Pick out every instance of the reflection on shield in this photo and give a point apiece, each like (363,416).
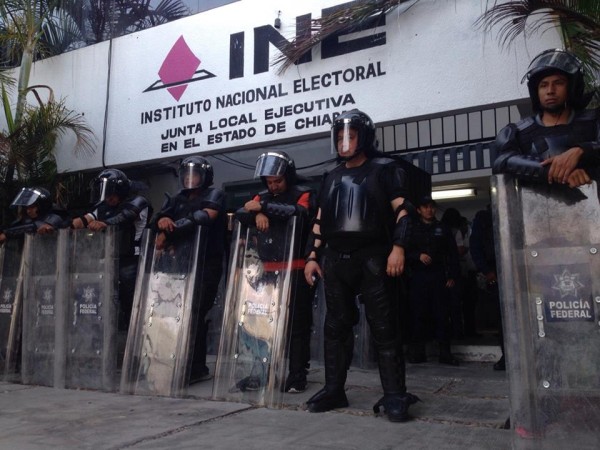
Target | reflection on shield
(91,290)
(548,242)
(163,324)
(10,308)
(251,362)
(69,310)
(41,313)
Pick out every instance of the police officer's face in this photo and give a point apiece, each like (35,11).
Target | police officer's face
(112,200)
(552,92)
(192,180)
(347,147)
(32,211)
(276,185)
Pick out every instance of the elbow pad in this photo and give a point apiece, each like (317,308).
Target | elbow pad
(245,217)
(402,231)
(278,209)
(182,226)
(127,215)
(55,221)
(201,217)
(20,230)
(521,166)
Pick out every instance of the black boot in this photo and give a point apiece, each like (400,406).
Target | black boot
(395,400)
(336,368)
(199,370)
(326,400)
(296,382)
(392,371)
(395,406)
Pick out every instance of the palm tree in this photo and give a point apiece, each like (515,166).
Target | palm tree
(27,145)
(578,22)
(100,20)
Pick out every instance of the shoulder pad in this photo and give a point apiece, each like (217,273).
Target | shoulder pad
(525,123)
(587,114)
(54,220)
(301,188)
(215,195)
(382,161)
(139,202)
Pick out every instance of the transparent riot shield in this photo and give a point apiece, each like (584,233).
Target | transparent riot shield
(42,314)
(10,308)
(92,291)
(547,247)
(251,363)
(160,342)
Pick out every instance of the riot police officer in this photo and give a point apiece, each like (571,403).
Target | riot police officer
(560,144)
(432,256)
(35,215)
(361,230)
(197,203)
(270,210)
(115,204)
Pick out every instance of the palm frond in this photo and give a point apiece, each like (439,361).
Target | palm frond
(577,20)
(30,147)
(341,19)
(167,11)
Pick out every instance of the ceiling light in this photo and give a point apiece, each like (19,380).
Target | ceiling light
(453,193)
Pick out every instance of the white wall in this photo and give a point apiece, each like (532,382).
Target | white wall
(434,60)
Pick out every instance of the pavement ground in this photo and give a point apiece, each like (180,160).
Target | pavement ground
(464,407)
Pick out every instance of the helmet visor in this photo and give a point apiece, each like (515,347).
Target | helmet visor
(270,165)
(101,189)
(341,139)
(553,59)
(26,197)
(191,176)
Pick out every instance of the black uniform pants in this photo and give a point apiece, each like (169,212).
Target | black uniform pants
(300,322)
(208,292)
(363,273)
(430,303)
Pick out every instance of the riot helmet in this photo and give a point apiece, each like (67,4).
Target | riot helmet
(362,124)
(554,61)
(276,164)
(195,172)
(109,182)
(29,196)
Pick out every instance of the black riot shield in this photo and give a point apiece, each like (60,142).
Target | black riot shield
(547,247)
(43,316)
(160,341)
(251,362)
(92,290)
(10,308)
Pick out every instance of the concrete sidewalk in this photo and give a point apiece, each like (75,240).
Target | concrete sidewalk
(462,407)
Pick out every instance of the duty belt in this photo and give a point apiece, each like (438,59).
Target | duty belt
(358,253)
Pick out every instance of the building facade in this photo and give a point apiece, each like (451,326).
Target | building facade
(438,87)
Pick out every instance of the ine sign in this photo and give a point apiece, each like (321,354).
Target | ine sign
(207,108)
